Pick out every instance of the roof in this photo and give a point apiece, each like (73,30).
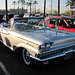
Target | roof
(67,17)
(28,18)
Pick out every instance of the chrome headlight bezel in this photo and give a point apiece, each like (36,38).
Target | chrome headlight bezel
(42,46)
(45,46)
(48,45)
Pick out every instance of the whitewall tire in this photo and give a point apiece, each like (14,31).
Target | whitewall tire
(26,57)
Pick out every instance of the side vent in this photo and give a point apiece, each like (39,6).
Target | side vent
(7,42)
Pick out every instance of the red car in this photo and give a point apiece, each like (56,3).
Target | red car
(63,23)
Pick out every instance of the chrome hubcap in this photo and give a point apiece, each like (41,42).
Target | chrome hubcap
(26,57)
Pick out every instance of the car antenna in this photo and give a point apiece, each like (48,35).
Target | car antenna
(56,28)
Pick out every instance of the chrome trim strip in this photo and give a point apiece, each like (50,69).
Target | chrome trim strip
(38,59)
(61,31)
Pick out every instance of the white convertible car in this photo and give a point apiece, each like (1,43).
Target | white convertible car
(36,41)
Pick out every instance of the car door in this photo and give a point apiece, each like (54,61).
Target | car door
(62,25)
(6,37)
(51,22)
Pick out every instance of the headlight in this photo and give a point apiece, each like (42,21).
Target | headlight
(42,46)
(48,45)
(45,46)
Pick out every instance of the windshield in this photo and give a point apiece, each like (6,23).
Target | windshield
(30,24)
(71,22)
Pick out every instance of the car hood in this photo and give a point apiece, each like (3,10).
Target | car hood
(40,37)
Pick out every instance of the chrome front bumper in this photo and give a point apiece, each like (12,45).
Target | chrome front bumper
(46,59)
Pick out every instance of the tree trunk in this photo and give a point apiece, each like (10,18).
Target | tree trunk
(22,8)
(35,8)
(30,7)
(14,8)
(18,8)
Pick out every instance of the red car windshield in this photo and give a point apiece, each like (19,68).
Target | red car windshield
(71,22)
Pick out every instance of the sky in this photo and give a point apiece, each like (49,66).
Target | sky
(40,4)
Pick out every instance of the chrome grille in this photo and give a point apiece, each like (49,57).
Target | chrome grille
(55,52)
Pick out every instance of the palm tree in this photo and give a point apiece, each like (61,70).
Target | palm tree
(27,5)
(18,6)
(30,3)
(22,4)
(14,3)
(35,2)
(70,2)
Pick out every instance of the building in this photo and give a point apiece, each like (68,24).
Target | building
(16,11)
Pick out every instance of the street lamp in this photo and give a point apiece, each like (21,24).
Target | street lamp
(6,11)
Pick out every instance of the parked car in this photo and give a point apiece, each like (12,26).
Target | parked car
(35,42)
(18,19)
(16,16)
(38,15)
(27,15)
(63,23)
(10,15)
(1,18)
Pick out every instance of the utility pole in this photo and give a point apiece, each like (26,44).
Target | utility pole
(6,11)
(58,7)
(44,7)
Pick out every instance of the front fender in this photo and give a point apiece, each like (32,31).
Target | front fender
(27,47)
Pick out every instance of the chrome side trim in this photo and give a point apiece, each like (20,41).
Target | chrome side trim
(46,59)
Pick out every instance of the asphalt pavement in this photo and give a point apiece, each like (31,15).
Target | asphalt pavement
(12,64)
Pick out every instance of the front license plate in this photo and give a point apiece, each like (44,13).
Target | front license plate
(67,56)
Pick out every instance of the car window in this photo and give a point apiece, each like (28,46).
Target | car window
(22,27)
(71,22)
(31,25)
(61,22)
(52,21)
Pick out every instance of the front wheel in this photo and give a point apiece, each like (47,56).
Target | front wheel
(26,57)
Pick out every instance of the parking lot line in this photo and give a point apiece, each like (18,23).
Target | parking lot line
(4,69)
